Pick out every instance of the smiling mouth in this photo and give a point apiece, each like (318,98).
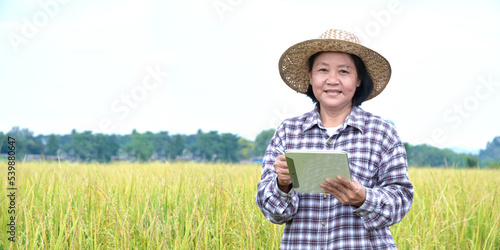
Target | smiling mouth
(334,92)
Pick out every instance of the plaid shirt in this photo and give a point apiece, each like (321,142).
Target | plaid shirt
(377,160)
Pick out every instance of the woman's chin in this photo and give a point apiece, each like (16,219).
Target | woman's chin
(334,104)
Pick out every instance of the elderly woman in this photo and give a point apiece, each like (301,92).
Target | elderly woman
(338,74)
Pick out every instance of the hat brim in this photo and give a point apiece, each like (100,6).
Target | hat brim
(295,73)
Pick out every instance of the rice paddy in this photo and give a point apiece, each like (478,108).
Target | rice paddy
(182,205)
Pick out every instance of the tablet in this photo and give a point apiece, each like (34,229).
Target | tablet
(309,168)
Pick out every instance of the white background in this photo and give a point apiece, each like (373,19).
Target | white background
(86,65)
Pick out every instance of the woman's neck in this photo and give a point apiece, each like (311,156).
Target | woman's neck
(333,117)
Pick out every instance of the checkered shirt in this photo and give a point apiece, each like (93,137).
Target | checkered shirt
(377,160)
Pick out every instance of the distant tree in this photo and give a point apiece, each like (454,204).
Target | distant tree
(52,145)
(141,146)
(212,146)
(407,146)
(426,155)
(191,142)
(3,143)
(472,161)
(81,145)
(25,142)
(208,145)
(491,154)
(64,140)
(192,139)
(160,141)
(262,141)
(124,140)
(104,147)
(175,147)
(247,148)
(229,148)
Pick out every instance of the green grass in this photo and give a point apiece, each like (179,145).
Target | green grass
(211,206)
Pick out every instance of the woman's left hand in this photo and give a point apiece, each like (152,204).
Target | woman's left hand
(347,192)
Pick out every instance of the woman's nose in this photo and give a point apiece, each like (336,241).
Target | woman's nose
(332,78)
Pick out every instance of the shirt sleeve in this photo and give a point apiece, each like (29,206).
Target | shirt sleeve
(391,199)
(277,206)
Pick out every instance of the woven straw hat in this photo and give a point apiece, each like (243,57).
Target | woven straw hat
(294,69)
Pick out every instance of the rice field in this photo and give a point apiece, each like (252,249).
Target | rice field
(211,206)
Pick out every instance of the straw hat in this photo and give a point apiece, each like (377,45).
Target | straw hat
(294,69)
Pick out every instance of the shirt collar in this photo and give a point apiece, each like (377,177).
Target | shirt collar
(312,119)
(355,119)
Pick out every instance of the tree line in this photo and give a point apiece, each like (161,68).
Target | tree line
(209,146)
(86,146)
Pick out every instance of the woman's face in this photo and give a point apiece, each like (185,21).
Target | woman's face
(334,80)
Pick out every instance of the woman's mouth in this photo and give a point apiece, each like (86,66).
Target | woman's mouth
(333,92)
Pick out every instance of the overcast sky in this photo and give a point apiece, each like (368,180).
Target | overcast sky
(180,66)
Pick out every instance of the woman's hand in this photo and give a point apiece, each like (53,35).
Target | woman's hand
(284,180)
(347,192)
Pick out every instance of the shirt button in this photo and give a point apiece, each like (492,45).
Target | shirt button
(323,223)
(325,195)
(329,143)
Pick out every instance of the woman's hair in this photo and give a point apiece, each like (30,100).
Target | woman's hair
(362,92)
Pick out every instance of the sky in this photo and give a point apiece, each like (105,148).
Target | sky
(179,66)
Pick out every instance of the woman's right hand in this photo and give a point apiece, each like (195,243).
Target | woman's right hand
(284,179)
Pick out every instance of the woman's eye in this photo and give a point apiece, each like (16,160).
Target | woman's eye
(322,70)
(344,72)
